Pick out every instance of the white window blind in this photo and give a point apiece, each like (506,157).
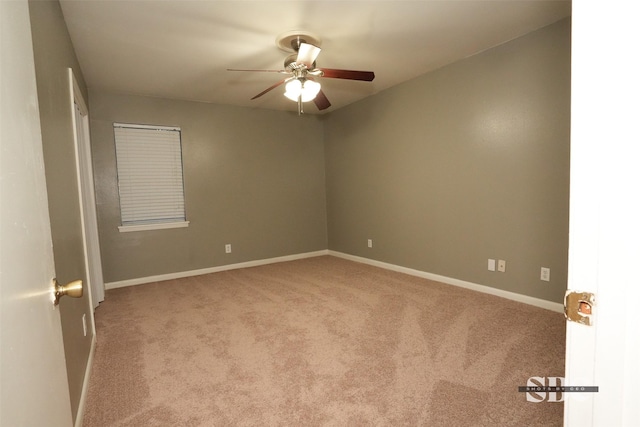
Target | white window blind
(150,181)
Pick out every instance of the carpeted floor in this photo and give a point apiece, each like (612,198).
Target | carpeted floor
(319,341)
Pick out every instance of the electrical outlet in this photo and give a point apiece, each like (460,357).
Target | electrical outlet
(84,324)
(502,265)
(491,265)
(545,273)
(227,248)
(369,243)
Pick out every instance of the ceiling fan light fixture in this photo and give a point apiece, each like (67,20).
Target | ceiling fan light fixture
(310,89)
(307,89)
(293,89)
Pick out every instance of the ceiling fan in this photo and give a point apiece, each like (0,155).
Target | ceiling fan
(302,86)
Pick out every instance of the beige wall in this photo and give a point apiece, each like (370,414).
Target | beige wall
(53,55)
(253,178)
(463,164)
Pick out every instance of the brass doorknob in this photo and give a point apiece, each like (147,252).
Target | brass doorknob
(73,289)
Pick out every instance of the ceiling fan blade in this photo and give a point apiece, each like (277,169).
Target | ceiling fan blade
(348,74)
(321,101)
(269,89)
(260,71)
(307,54)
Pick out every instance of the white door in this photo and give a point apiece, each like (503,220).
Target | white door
(91,242)
(34,388)
(604,235)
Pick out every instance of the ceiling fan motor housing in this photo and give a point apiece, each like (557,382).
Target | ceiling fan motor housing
(291,65)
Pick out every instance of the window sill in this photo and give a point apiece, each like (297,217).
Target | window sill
(147,227)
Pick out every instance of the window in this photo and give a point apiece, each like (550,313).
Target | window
(150,183)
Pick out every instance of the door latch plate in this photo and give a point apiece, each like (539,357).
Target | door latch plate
(578,306)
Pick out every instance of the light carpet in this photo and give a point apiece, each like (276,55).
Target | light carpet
(319,341)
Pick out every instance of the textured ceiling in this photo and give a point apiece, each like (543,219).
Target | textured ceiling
(182,49)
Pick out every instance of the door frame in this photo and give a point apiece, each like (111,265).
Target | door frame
(88,217)
(86,194)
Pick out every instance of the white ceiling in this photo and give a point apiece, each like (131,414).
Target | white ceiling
(181,49)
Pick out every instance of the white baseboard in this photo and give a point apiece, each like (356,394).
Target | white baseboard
(179,275)
(548,305)
(85,384)
(537,302)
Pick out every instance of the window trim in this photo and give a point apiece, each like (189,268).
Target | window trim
(156,226)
